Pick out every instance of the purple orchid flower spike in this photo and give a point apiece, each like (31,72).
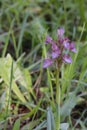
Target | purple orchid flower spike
(67,58)
(48,40)
(58,49)
(47,62)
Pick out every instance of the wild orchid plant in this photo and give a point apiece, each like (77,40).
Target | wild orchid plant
(60,53)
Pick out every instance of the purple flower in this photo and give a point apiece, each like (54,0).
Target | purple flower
(55,51)
(66,43)
(58,49)
(60,32)
(72,47)
(67,58)
(54,46)
(55,54)
(48,40)
(47,62)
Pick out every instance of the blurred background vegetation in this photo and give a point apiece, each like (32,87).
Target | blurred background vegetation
(23,23)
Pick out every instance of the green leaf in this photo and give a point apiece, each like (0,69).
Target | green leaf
(64,126)
(30,125)
(5,66)
(41,126)
(68,105)
(16,125)
(50,120)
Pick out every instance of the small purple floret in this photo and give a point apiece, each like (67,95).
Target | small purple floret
(48,40)
(55,54)
(54,47)
(67,58)
(72,47)
(60,32)
(47,62)
(55,51)
(66,43)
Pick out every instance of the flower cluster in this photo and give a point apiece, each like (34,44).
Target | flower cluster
(60,49)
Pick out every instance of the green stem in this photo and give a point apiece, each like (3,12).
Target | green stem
(57,99)
(51,88)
